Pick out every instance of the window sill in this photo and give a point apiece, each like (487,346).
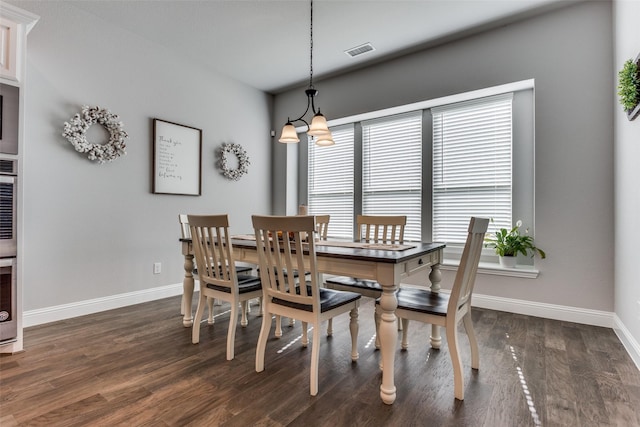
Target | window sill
(523,271)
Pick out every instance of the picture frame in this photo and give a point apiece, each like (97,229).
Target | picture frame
(177,159)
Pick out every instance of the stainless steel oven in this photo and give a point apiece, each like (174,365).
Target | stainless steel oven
(8,250)
(8,313)
(8,191)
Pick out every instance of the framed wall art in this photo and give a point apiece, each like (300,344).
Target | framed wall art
(177,159)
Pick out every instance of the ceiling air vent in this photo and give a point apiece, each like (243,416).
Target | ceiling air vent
(359,50)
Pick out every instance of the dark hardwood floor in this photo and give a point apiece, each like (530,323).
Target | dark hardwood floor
(136,366)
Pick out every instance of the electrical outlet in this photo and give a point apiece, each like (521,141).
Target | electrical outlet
(157,268)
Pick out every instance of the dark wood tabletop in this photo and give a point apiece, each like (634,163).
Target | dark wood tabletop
(365,254)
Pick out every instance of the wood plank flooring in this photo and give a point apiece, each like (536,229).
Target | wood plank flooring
(136,366)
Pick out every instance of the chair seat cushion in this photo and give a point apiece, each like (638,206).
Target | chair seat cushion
(243,269)
(245,284)
(422,301)
(371,285)
(329,299)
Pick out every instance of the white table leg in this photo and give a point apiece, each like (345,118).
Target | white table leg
(187,289)
(435,277)
(388,339)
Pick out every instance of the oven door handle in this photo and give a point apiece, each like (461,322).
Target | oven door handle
(5,179)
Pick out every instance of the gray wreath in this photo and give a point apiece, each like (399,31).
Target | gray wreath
(243,161)
(75,130)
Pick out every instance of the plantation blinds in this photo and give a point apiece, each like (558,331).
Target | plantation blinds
(330,181)
(392,169)
(472,157)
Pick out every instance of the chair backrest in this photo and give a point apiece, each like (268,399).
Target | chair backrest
(381,229)
(466,275)
(184,226)
(322,226)
(282,246)
(213,250)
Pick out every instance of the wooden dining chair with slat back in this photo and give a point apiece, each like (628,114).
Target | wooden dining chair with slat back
(448,310)
(218,275)
(371,229)
(284,296)
(322,227)
(186,234)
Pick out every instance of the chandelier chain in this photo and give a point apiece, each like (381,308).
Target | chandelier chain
(311,49)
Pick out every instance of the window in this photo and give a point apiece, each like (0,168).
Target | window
(331,183)
(471,166)
(437,161)
(392,169)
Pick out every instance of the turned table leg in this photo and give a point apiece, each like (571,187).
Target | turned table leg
(388,340)
(435,277)
(187,286)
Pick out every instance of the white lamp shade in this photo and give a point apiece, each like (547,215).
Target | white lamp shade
(318,126)
(289,134)
(325,140)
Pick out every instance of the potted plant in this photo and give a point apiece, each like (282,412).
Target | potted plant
(629,87)
(509,243)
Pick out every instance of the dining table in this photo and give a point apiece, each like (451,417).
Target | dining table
(388,264)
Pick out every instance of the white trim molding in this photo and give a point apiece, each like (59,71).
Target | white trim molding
(81,308)
(522,271)
(537,309)
(549,311)
(628,341)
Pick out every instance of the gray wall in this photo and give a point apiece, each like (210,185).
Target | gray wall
(627,177)
(569,54)
(93,231)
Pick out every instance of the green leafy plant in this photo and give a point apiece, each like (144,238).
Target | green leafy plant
(511,242)
(629,85)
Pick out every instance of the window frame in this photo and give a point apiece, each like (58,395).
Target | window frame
(523,202)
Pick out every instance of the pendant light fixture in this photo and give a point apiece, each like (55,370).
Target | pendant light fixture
(318,129)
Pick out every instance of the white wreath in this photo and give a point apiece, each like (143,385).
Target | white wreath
(75,130)
(243,161)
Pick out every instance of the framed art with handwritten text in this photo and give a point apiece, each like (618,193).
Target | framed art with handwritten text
(177,153)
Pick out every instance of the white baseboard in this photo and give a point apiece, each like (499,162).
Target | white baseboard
(548,311)
(629,343)
(81,308)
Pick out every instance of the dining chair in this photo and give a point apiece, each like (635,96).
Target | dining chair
(218,275)
(447,310)
(322,226)
(283,296)
(371,229)
(186,234)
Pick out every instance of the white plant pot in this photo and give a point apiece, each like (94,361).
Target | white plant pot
(508,261)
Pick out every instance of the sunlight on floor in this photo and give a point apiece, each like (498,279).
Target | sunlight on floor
(371,341)
(293,341)
(215,315)
(525,388)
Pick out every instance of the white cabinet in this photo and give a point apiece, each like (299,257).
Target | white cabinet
(8,49)
(15,24)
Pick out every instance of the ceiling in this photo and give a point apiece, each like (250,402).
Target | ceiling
(265,43)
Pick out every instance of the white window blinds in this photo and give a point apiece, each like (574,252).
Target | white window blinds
(392,169)
(330,181)
(472,157)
